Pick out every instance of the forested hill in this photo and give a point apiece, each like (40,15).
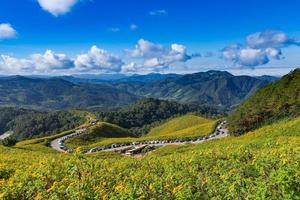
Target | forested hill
(59,94)
(277,100)
(146,113)
(27,123)
(218,88)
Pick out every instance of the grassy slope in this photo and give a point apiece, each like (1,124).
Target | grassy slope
(186,125)
(40,144)
(98,133)
(262,164)
(195,126)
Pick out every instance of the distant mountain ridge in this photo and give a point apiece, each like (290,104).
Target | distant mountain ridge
(57,93)
(216,88)
(209,88)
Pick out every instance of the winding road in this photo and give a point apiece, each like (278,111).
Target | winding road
(131,147)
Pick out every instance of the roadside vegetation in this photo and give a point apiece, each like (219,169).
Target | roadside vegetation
(146,114)
(261,164)
(105,133)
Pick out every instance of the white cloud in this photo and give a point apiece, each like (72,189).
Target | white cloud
(36,63)
(130,67)
(145,57)
(145,48)
(57,7)
(95,60)
(156,57)
(158,12)
(133,27)
(98,60)
(259,49)
(270,38)
(51,61)
(7,31)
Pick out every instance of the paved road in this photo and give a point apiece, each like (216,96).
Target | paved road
(58,144)
(220,132)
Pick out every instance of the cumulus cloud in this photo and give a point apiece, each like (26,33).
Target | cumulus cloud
(36,63)
(158,12)
(146,56)
(130,67)
(156,57)
(259,49)
(57,7)
(7,31)
(270,38)
(95,60)
(98,60)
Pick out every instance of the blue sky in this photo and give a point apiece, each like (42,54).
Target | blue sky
(129,36)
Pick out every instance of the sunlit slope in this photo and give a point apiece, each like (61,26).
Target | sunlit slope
(98,133)
(181,127)
(262,164)
(187,125)
(42,143)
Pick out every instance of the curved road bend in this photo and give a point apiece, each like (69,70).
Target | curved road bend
(220,132)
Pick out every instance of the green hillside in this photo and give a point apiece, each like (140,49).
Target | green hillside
(145,114)
(187,125)
(262,164)
(218,88)
(26,124)
(111,134)
(98,133)
(275,101)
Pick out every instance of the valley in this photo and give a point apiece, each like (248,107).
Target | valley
(157,148)
(149,100)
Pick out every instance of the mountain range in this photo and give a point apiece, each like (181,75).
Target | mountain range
(216,88)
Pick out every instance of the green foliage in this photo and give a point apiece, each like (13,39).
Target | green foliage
(263,164)
(8,142)
(277,100)
(46,123)
(106,134)
(145,114)
(7,114)
(98,133)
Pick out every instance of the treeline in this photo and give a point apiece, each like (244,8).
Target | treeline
(42,124)
(31,124)
(141,116)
